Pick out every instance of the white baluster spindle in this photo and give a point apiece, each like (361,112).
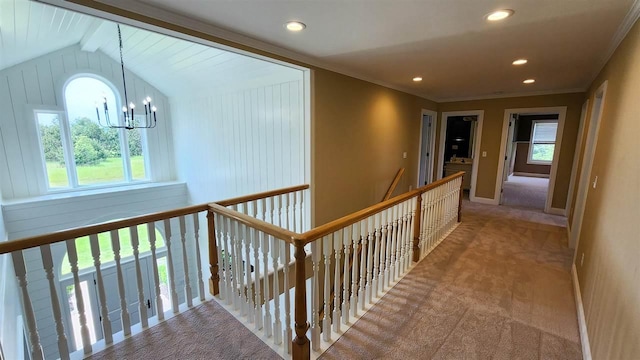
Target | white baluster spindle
(21,275)
(47,263)
(84,329)
(170,270)
(124,311)
(135,244)
(104,311)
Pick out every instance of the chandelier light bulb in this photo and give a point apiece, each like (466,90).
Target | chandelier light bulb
(124,109)
(148,99)
(132,106)
(154,109)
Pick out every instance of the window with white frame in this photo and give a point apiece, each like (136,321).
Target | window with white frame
(543,142)
(77,151)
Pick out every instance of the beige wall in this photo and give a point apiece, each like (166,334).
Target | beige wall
(492,132)
(610,237)
(360,131)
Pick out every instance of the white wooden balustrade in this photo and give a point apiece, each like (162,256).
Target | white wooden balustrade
(353,261)
(128,285)
(337,272)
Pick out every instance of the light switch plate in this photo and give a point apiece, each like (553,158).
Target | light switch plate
(404,155)
(484,154)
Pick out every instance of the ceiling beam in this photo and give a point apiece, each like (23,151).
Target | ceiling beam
(96,35)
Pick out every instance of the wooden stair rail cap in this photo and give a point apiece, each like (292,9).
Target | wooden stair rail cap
(338,224)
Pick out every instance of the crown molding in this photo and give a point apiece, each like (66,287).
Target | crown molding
(624,28)
(512,95)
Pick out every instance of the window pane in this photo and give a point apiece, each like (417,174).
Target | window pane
(544,132)
(49,127)
(135,139)
(542,152)
(97,149)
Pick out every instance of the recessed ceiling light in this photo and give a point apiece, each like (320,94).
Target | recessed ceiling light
(529,81)
(519,62)
(417,79)
(295,26)
(500,14)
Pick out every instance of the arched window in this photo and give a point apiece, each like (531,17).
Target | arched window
(77,151)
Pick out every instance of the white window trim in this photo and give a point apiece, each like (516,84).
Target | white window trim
(530,160)
(67,144)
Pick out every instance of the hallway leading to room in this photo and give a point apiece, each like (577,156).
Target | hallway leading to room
(525,192)
(498,287)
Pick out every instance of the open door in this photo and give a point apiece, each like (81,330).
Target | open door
(427,146)
(508,154)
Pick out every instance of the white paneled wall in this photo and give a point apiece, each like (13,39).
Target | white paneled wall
(241,142)
(38,83)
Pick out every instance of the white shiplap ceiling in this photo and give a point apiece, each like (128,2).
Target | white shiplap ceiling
(449,43)
(176,67)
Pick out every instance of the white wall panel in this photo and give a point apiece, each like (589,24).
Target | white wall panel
(39,82)
(241,142)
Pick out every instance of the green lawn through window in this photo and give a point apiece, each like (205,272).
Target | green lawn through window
(109,170)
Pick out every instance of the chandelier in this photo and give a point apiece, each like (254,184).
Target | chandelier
(129,119)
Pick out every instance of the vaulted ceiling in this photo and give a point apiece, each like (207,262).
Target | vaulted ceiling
(449,43)
(176,67)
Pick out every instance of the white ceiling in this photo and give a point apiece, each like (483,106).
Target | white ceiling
(449,43)
(176,67)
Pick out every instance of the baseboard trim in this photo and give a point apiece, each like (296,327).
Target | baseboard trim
(557,211)
(483,200)
(582,322)
(530,174)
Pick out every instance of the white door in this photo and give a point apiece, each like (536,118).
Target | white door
(110,279)
(507,155)
(72,311)
(426,156)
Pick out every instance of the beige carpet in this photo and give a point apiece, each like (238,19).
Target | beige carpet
(525,192)
(207,331)
(497,288)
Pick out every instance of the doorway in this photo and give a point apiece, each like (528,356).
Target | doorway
(530,147)
(427,147)
(587,162)
(92,302)
(459,148)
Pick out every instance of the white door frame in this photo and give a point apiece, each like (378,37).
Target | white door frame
(576,155)
(432,146)
(587,164)
(507,156)
(562,114)
(476,148)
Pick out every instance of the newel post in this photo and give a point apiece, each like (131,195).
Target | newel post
(300,345)
(416,229)
(214,280)
(460,199)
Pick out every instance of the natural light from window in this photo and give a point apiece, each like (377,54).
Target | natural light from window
(78,150)
(543,142)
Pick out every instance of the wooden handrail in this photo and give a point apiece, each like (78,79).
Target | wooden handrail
(338,224)
(254,223)
(393,185)
(262,195)
(74,233)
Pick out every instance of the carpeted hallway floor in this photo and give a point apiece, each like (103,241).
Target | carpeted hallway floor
(525,192)
(499,287)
